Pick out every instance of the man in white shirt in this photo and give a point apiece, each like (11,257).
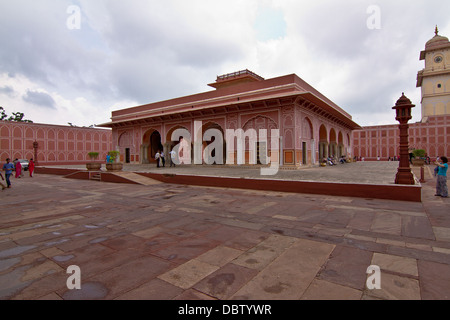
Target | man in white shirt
(157,158)
(163,159)
(173,156)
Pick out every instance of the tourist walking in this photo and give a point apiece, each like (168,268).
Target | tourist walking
(163,159)
(441,182)
(157,158)
(173,155)
(18,166)
(8,167)
(31,167)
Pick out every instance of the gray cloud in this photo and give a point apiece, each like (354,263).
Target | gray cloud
(7,90)
(145,51)
(159,48)
(39,98)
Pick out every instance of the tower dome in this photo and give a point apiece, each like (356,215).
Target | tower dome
(436,41)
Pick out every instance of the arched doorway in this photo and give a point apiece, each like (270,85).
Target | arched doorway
(340,149)
(125,143)
(348,151)
(308,145)
(253,150)
(169,145)
(332,148)
(155,143)
(214,129)
(151,143)
(323,143)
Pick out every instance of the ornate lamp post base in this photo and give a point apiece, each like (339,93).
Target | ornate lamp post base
(404,176)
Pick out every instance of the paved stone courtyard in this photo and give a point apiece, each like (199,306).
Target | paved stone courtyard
(360,172)
(183,242)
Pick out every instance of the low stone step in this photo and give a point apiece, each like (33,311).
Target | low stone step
(96,177)
(137,178)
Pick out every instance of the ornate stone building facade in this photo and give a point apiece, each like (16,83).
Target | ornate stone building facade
(310,125)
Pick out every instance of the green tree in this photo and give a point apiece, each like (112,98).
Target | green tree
(16,116)
(3,114)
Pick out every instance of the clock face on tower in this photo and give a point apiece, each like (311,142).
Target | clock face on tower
(438,59)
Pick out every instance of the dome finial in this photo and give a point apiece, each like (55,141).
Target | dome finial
(436,30)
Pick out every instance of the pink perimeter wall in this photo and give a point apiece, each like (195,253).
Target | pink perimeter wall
(56,144)
(432,135)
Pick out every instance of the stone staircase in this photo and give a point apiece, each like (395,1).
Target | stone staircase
(97,176)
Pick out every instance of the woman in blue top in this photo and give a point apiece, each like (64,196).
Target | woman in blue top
(441,184)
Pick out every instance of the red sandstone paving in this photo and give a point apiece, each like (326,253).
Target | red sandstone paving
(434,280)
(420,254)
(361,221)
(192,294)
(81,256)
(97,264)
(190,224)
(42,287)
(225,282)
(246,239)
(77,240)
(163,241)
(106,245)
(347,266)
(185,250)
(438,214)
(154,289)
(120,280)
(124,242)
(417,227)
(381,204)
(338,218)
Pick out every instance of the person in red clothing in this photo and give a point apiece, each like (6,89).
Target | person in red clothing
(18,167)
(31,167)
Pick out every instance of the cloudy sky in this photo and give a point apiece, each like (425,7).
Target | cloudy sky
(76,61)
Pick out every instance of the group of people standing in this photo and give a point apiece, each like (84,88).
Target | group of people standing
(16,167)
(161,159)
(332,161)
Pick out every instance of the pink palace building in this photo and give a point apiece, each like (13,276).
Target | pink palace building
(310,126)
(432,133)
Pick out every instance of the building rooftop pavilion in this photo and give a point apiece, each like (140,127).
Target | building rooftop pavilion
(233,90)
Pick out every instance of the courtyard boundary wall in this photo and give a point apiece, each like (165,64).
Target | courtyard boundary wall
(431,135)
(370,191)
(56,144)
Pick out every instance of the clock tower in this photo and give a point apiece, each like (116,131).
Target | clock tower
(434,79)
